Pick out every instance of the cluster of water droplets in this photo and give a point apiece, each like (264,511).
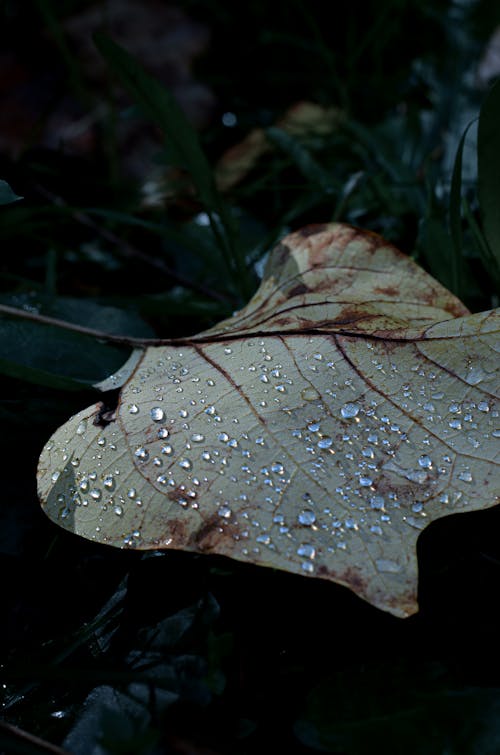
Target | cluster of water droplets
(293,451)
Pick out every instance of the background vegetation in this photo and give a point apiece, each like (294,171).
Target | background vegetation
(125,225)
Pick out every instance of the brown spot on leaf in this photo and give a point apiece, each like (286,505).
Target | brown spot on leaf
(312,230)
(298,290)
(216,533)
(386,290)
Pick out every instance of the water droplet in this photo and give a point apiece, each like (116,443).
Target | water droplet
(388,566)
(483,406)
(157,414)
(197,438)
(141,453)
(307,566)
(425,462)
(185,464)
(475,375)
(225,512)
(418,507)
(265,539)
(277,468)
(183,413)
(55,476)
(82,427)
(306,517)
(133,408)
(227,350)
(306,550)
(365,481)
(131,493)
(224,437)
(376,529)
(309,394)
(325,442)
(109,482)
(166,450)
(210,410)
(465,476)
(377,502)
(455,424)
(95,493)
(349,411)
(118,510)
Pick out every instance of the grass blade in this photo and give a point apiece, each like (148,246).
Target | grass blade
(488,157)
(161,107)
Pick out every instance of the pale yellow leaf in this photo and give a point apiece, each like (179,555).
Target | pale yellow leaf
(319,430)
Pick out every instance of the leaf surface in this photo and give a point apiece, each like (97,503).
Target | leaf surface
(318,430)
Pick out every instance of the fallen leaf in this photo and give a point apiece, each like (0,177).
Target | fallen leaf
(304,120)
(318,430)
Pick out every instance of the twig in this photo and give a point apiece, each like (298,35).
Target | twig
(32,739)
(131,252)
(46,320)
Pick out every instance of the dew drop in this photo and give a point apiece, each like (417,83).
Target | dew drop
(183,413)
(365,481)
(264,539)
(197,438)
(349,411)
(307,566)
(157,414)
(306,517)
(185,464)
(82,427)
(465,476)
(55,476)
(425,462)
(325,442)
(483,406)
(306,550)
(95,493)
(377,502)
(388,566)
(163,433)
(455,424)
(225,512)
(118,510)
(133,409)
(131,493)
(109,482)
(309,394)
(141,453)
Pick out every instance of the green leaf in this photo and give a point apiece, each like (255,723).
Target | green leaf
(488,156)
(48,355)
(7,196)
(455,217)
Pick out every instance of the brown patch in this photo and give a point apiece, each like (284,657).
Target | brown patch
(387,290)
(177,495)
(214,535)
(312,230)
(281,253)
(352,578)
(298,290)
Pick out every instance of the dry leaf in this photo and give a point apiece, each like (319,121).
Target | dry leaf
(303,120)
(319,430)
